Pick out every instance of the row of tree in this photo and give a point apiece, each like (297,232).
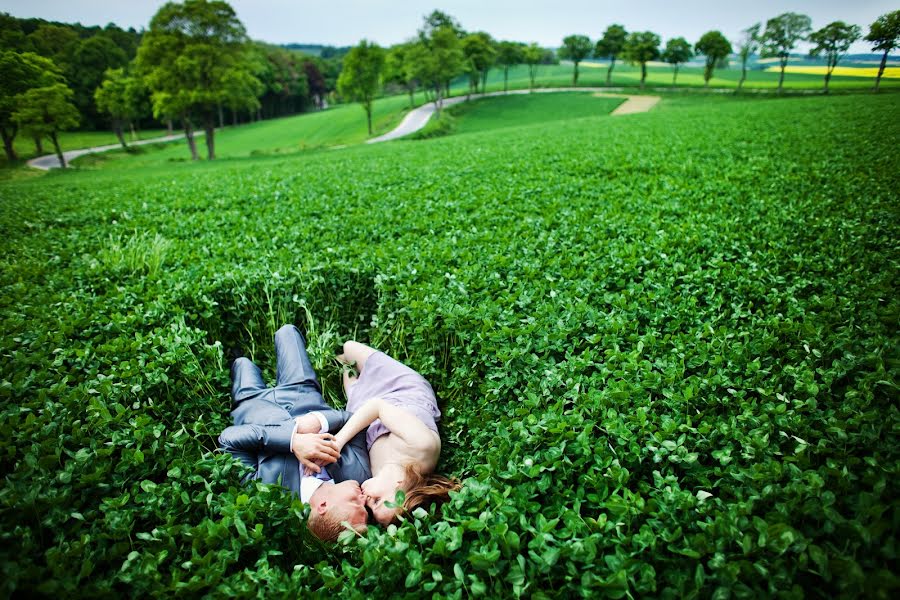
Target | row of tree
(440,52)
(127,78)
(776,39)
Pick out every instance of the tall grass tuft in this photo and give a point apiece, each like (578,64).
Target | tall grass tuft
(138,254)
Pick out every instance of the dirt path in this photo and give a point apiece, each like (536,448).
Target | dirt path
(417,118)
(51,161)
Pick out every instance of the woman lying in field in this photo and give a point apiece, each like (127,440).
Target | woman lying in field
(400,409)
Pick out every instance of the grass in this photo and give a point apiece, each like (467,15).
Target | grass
(625,75)
(344,125)
(74,140)
(516,110)
(337,126)
(664,347)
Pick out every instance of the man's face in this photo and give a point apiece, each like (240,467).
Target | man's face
(348,499)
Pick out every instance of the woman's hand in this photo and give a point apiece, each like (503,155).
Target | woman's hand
(315,450)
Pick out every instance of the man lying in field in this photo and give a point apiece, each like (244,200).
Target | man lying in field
(280,431)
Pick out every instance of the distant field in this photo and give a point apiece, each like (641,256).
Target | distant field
(520,110)
(868,72)
(625,75)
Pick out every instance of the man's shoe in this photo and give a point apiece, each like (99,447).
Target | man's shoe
(233,354)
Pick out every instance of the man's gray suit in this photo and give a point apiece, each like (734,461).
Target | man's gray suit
(264,417)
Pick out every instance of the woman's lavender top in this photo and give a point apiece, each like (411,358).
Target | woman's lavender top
(384,377)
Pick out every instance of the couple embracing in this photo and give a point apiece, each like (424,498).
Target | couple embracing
(347,465)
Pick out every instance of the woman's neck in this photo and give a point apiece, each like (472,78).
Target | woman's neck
(391,470)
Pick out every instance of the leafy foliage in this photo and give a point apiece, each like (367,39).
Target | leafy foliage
(716,48)
(575,48)
(678,51)
(611,45)
(640,48)
(45,111)
(360,78)
(781,34)
(833,41)
(665,348)
(21,72)
(194,58)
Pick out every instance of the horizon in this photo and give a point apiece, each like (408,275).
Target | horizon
(327,26)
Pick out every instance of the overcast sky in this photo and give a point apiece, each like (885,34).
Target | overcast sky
(345,22)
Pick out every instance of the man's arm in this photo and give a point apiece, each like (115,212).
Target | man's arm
(254,438)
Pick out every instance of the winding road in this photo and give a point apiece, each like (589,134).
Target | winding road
(415,120)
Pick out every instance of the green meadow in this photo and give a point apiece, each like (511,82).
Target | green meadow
(664,345)
(74,140)
(338,126)
(625,75)
(518,110)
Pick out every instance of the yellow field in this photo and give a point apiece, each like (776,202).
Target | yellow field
(889,72)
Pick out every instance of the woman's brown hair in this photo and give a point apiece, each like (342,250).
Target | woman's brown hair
(425,490)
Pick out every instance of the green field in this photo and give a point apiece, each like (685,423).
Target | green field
(345,124)
(337,126)
(518,110)
(626,75)
(665,347)
(73,140)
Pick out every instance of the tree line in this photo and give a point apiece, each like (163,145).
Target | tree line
(126,78)
(443,50)
(776,39)
(195,65)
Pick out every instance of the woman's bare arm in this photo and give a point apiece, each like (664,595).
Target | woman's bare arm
(400,422)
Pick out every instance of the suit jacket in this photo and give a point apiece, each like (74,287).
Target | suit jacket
(264,425)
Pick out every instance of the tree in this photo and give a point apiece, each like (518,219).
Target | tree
(442,61)
(361,76)
(54,42)
(508,55)
(678,51)
(748,44)
(189,57)
(316,83)
(241,91)
(640,48)
(610,46)
(21,72)
(833,41)
(716,48)
(479,54)
(440,35)
(576,48)
(781,35)
(396,69)
(532,55)
(137,98)
(284,89)
(439,20)
(884,34)
(47,111)
(91,59)
(111,98)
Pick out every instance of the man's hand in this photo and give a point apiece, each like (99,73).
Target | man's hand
(314,449)
(308,423)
